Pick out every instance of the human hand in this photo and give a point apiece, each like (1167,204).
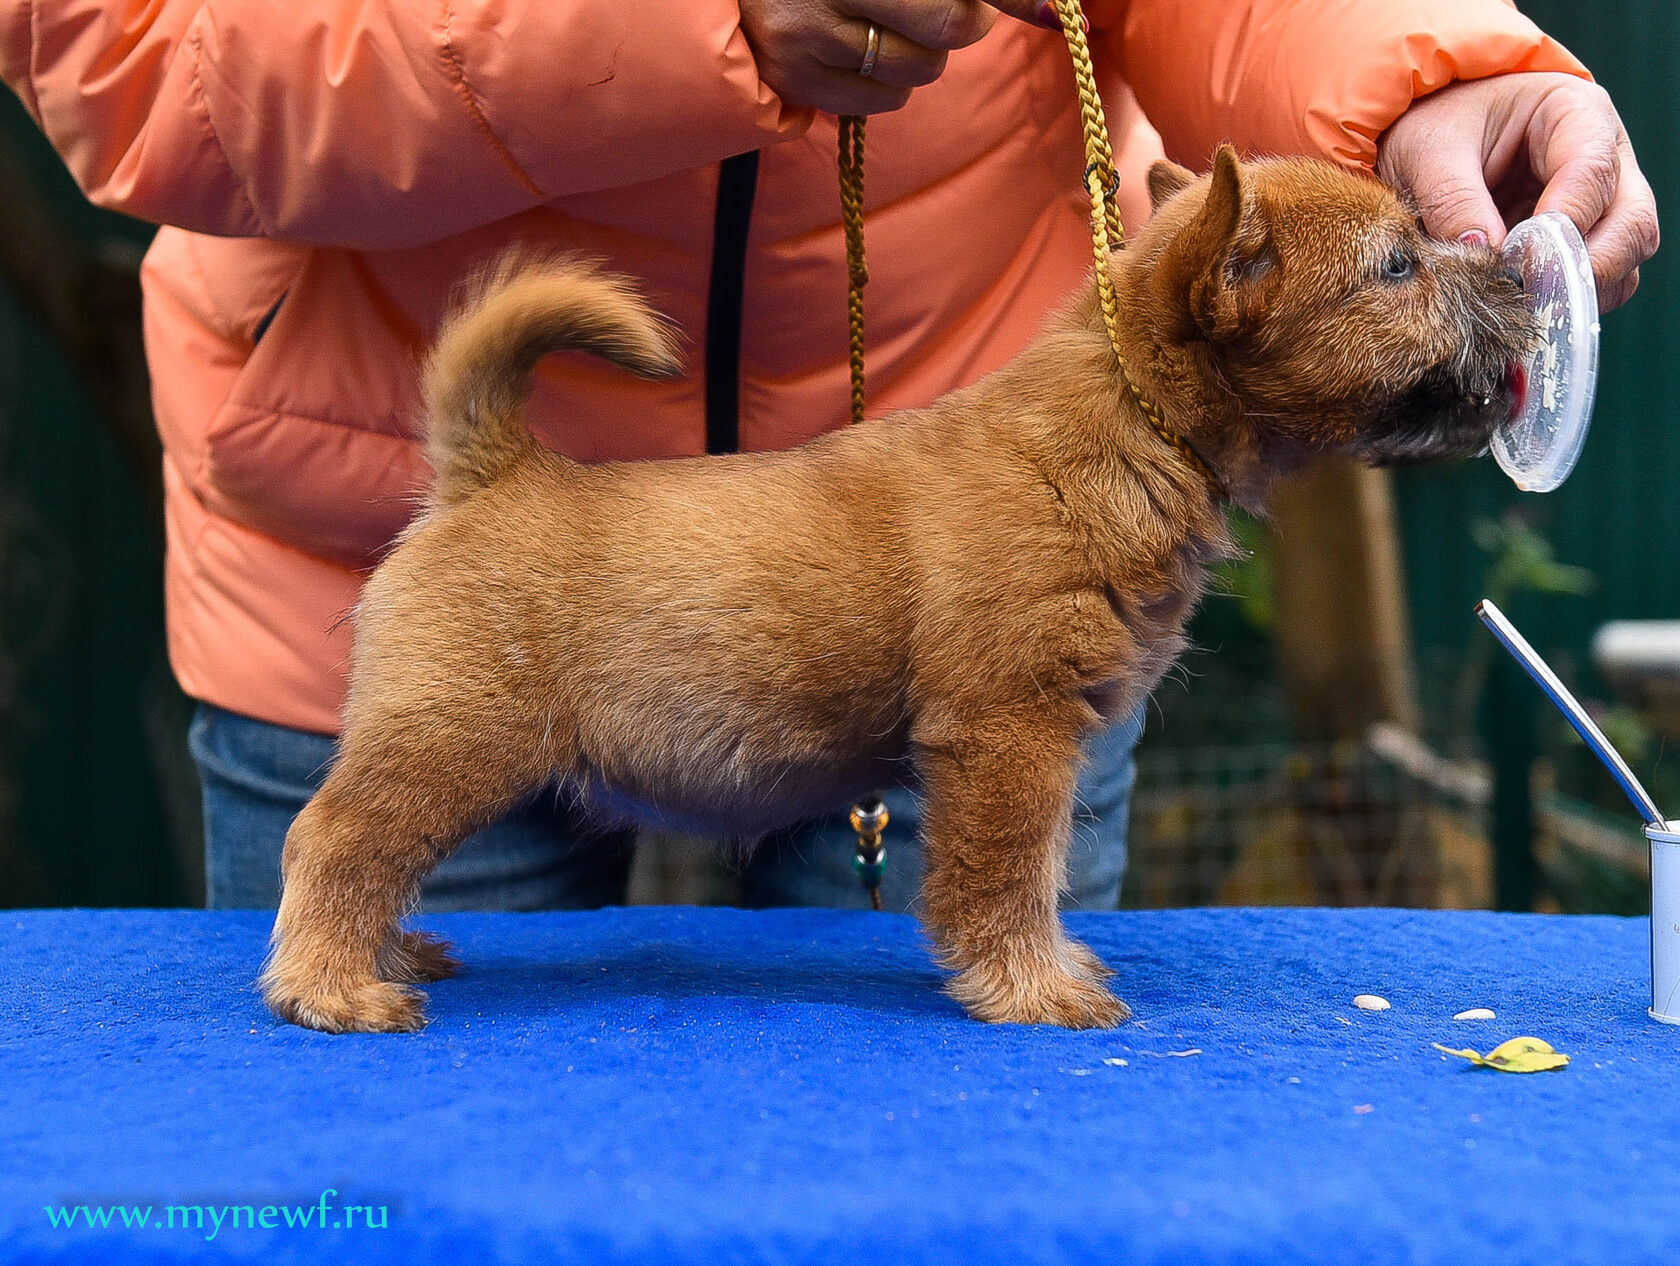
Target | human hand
(1481,154)
(810,51)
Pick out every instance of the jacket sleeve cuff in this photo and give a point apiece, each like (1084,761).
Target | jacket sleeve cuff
(598,96)
(1323,77)
(381,125)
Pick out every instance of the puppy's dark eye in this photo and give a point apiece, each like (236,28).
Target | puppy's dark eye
(1399,266)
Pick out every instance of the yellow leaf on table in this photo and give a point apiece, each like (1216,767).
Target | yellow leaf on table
(1519,1055)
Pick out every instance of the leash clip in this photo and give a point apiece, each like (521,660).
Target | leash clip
(869,820)
(1113,189)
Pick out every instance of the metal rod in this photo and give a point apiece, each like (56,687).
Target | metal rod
(1573,712)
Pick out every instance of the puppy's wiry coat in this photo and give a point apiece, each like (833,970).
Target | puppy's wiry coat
(957,593)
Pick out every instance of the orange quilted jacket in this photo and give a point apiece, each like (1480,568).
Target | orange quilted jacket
(328,171)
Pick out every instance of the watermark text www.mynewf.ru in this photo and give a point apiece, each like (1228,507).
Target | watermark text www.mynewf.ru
(210,1220)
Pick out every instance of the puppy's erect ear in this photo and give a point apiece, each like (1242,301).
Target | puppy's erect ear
(1194,270)
(1165,179)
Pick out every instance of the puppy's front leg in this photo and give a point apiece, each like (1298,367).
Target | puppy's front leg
(997,816)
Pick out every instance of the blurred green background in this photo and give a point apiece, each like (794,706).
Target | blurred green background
(98,803)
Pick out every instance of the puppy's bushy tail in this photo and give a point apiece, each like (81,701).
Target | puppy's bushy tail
(478,377)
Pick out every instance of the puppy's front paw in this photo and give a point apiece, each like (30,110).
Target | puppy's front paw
(413,958)
(373,1006)
(1001,993)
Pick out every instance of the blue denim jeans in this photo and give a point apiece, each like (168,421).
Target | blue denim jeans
(256,776)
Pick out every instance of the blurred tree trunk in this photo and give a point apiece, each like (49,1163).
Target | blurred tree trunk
(99,799)
(11,856)
(1343,633)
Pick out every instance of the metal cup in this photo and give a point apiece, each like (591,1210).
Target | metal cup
(1665,922)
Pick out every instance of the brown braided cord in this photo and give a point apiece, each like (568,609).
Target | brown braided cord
(857,272)
(1102,181)
(869,816)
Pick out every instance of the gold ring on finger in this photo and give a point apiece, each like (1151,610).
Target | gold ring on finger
(870,50)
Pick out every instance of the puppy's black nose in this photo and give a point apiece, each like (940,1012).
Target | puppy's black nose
(1511,275)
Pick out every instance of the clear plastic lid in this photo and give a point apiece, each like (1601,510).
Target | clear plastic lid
(1537,448)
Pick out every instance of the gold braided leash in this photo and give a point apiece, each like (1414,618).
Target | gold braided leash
(1102,182)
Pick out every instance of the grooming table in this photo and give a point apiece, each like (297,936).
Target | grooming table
(673,1085)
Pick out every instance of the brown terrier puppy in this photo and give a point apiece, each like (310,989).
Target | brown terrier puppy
(959,592)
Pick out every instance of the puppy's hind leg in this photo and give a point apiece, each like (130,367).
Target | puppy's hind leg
(997,815)
(402,795)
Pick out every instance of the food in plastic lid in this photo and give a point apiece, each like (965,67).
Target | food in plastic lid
(1537,448)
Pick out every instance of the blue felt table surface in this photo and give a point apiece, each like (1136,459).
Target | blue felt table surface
(678,1085)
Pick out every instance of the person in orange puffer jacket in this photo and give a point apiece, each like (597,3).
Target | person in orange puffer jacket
(326,175)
